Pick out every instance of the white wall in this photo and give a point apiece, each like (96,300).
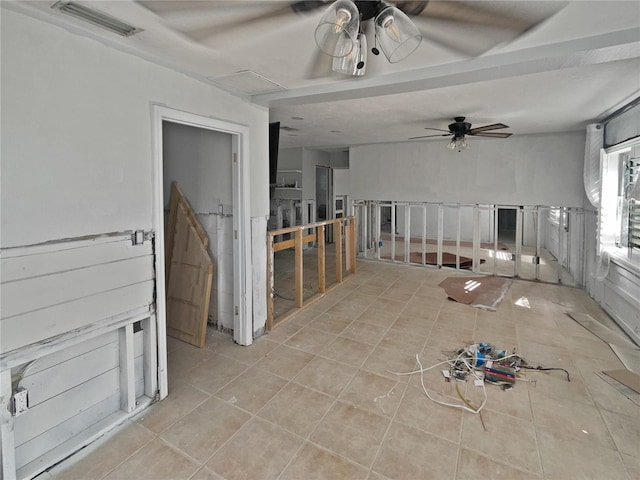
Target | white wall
(521,170)
(76,137)
(341,181)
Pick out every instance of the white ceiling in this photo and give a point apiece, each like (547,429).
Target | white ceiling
(578,65)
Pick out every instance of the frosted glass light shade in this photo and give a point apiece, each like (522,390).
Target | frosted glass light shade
(338,29)
(397,34)
(349,64)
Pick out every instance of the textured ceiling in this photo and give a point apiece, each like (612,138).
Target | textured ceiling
(578,65)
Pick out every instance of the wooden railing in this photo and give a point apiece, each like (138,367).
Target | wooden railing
(342,227)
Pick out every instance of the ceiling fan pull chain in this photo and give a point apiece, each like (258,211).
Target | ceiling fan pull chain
(375,50)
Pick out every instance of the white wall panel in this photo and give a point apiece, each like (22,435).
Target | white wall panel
(521,170)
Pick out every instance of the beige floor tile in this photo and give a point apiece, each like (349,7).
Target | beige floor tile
(422,308)
(625,431)
(285,361)
(410,324)
(374,393)
(314,463)
(203,431)
(418,411)
(310,340)
(409,453)
(252,389)
(554,384)
(455,336)
(372,290)
(590,347)
(564,458)
(284,332)
(214,374)
(329,323)
(384,362)
(364,332)
(360,435)
(205,474)
(349,310)
(297,408)
(326,376)
(473,466)
(378,316)
(633,466)
(546,355)
(455,320)
(608,397)
(260,450)
(259,349)
(515,439)
(376,476)
(158,461)
(567,418)
(514,401)
(403,341)
(181,400)
(345,350)
(185,358)
(101,457)
(397,294)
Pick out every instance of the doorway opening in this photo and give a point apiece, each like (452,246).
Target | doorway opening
(237,137)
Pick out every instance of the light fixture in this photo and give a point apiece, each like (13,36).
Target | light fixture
(398,36)
(338,34)
(458,143)
(96,17)
(354,62)
(338,29)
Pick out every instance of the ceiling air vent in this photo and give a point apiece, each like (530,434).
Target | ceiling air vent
(95,17)
(247,82)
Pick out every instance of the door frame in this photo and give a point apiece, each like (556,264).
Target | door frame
(242,273)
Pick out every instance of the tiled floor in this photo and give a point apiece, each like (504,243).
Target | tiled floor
(315,399)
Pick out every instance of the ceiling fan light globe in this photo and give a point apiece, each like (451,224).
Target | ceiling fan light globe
(397,34)
(338,29)
(355,62)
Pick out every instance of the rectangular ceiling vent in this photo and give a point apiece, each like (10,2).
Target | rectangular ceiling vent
(95,17)
(247,82)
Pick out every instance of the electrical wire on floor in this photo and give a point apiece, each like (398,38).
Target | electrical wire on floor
(545,369)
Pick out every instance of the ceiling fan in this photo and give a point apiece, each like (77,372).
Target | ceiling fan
(459,129)
(463,26)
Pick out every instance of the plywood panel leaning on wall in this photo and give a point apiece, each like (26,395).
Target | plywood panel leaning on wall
(190,273)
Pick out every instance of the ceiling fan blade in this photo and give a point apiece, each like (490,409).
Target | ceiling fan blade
(472,28)
(475,13)
(491,134)
(170,8)
(208,33)
(438,130)
(429,136)
(494,126)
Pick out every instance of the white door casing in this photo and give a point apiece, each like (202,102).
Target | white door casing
(242,289)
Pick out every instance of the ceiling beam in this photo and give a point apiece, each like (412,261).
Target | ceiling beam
(604,48)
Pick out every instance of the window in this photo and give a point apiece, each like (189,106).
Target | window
(620,207)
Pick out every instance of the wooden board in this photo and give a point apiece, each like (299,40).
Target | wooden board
(481,292)
(189,283)
(625,377)
(177,198)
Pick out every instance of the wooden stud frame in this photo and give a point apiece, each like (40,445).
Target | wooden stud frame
(298,242)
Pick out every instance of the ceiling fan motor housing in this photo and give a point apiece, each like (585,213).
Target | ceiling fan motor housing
(460,128)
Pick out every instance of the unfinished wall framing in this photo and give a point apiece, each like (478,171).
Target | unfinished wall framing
(341,232)
(530,242)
